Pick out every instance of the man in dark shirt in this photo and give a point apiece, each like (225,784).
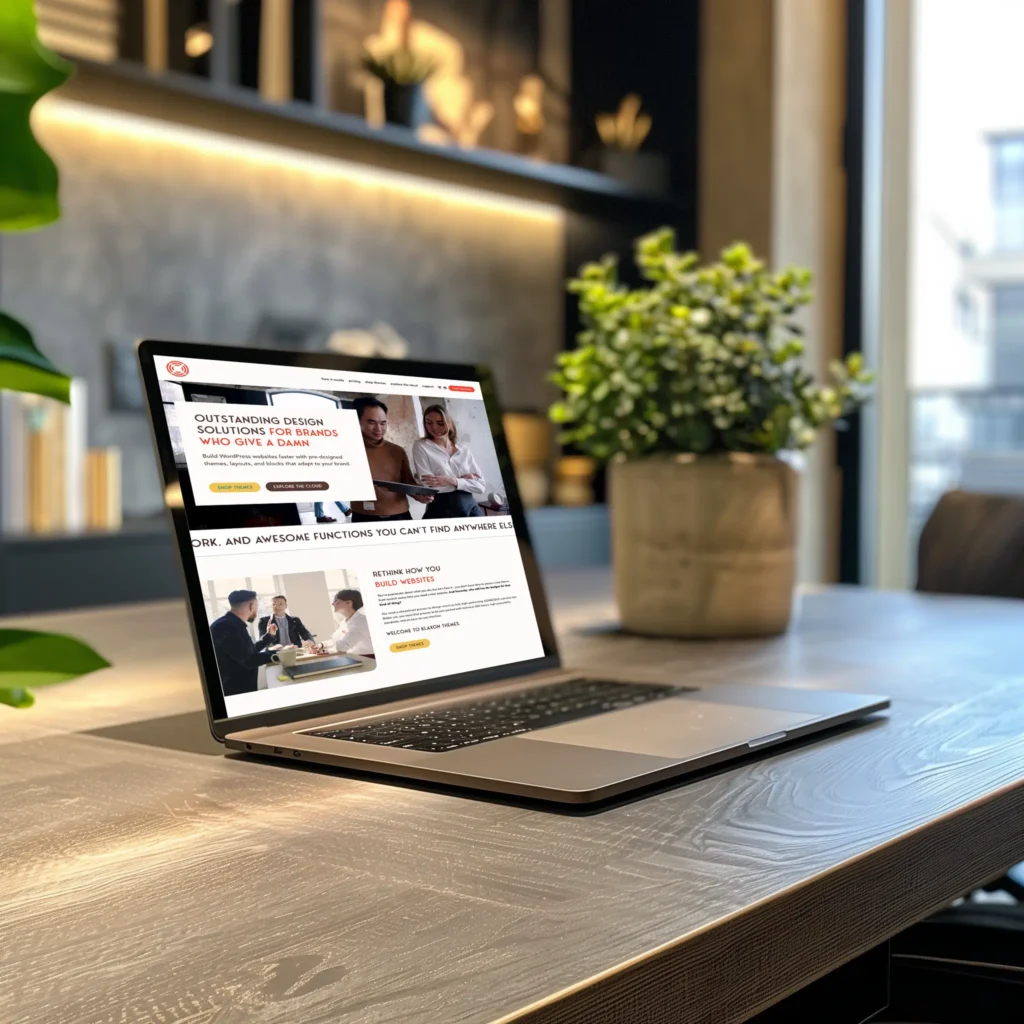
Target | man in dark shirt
(388,461)
(285,629)
(238,658)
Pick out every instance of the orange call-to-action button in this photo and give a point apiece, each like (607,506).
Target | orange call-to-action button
(233,488)
(409,645)
(460,387)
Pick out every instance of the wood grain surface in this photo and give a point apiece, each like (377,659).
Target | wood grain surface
(146,879)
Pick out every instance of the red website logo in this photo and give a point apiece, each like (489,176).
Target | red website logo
(176,368)
(460,387)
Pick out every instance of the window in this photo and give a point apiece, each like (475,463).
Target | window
(1008,319)
(303,400)
(340,579)
(266,588)
(966,312)
(943,292)
(1008,191)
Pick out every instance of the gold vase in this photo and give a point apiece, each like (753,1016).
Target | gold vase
(704,546)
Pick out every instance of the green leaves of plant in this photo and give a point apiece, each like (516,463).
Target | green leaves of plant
(23,367)
(29,659)
(701,359)
(28,70)
(401,67)
(28,199)
(28,180)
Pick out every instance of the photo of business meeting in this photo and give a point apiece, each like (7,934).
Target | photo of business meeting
(285,629)
(415,442)
(438,452)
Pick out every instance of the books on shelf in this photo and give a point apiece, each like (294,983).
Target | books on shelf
(54,461)
(13,463)
(47,480)
(103,489)
(88,28)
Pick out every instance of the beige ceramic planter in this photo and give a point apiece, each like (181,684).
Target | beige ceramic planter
(704,546)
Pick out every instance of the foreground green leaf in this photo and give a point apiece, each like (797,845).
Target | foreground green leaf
(16,697)
(28,70)
(29,658)
(28,199)
(23,367)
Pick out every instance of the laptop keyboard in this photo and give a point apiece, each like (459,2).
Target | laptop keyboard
(439,730)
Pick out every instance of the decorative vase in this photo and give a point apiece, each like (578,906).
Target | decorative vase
(646,171)
(704,546)
(574,480)
(406,105)
(529,446)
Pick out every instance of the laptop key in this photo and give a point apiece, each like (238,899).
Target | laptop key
(441,730)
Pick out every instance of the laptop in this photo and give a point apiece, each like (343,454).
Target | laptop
(408,634)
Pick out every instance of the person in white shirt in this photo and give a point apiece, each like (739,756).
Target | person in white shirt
(353,633)
(438,460)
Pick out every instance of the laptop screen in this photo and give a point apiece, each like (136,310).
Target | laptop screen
(350,530)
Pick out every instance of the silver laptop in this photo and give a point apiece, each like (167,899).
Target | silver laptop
(364,594)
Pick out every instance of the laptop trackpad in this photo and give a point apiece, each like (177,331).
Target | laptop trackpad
(672,728)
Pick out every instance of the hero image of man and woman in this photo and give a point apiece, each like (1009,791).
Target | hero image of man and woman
(439,454)
(280,630)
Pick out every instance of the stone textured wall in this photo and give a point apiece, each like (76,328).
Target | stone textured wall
(403,421)
(181,236)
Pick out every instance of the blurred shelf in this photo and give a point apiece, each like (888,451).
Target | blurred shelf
(235,111)
(131,527)
(569,538)
(49,572)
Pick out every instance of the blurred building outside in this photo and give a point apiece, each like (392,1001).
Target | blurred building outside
(966,344)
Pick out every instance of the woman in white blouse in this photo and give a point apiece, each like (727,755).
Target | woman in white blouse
(438,460)
(353,633)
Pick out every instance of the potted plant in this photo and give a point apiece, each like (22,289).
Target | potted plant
(402,72)
(28,199)
(691,387)
(403,75)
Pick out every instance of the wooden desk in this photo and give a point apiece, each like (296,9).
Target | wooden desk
(147,880)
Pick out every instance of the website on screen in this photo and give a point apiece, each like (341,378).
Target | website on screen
(351,530)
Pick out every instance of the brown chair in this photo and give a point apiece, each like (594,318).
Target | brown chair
(973,544)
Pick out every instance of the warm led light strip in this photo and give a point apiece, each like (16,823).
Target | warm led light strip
(57,111)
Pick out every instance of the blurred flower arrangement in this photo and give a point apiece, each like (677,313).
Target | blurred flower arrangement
(700,359)
(415,76)
(627,128)
(400,70)
(398,63)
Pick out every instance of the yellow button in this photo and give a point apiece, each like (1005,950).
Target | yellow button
(409,645)
(233,488)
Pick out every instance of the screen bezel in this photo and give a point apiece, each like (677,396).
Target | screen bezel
(220,724)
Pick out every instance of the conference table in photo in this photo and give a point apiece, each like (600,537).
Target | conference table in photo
(316,665)
(147,877)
